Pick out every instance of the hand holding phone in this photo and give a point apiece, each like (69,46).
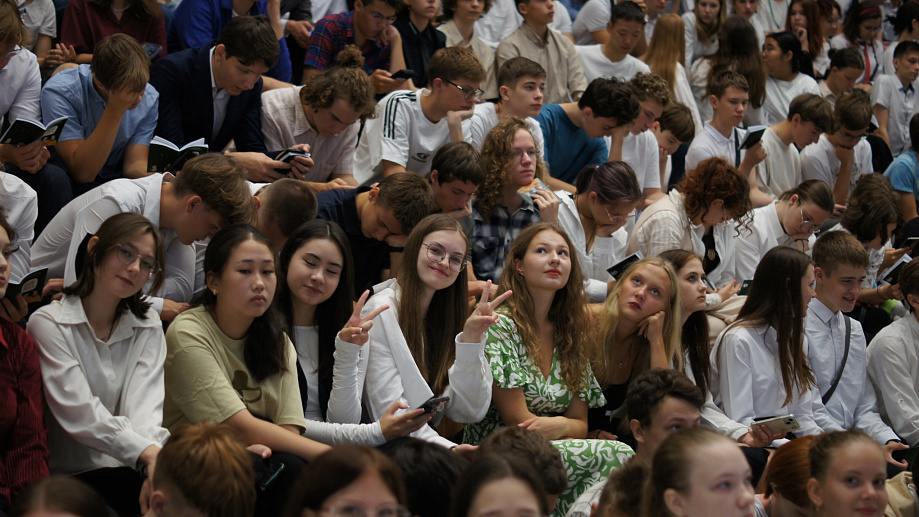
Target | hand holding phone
(404,74)
(434,405)
(779,424)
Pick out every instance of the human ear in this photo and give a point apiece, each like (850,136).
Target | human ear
(212,282)
(674,502)
(91,244)
(814,493)
(637,432)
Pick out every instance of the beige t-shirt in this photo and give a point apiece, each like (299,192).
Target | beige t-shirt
(207,379)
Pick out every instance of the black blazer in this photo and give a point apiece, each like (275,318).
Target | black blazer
(186,112)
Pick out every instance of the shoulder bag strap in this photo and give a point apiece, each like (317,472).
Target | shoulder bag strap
(845,356)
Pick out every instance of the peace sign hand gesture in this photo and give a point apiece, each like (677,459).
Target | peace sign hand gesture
(483,316)
(357,329)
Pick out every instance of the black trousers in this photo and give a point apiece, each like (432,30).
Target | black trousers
(118,486)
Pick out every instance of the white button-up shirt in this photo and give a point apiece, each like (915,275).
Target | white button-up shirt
(766,232)
(20,88)
(84,215)
(105,397)
(853,404)
(893,366)
(747,382)
(20,207)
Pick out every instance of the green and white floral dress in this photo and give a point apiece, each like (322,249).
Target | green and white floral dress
(586,461)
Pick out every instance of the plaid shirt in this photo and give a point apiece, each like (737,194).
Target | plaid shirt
(492,239)
(332,34)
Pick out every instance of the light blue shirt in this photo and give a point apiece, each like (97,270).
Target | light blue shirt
(71,93)
(903,173)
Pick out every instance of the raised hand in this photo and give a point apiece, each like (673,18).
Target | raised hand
(357,328)
(483,316)
(548,204)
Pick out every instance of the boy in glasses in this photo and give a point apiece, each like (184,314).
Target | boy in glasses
(209,193)
(410,126)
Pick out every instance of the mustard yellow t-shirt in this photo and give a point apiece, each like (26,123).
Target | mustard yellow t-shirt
(207,379)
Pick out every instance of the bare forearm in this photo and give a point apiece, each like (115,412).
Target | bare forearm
(277,438)
(841,188)
(87,159)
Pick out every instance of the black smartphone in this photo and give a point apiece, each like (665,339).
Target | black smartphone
(754,135)
(404,74)
(907,455)
(745,287)
(708,283)
(434,404)
(617,269)
(289,154)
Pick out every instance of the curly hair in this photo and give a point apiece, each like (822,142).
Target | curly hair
(567,312)
(651,87)
(497,155)
(347,81)
(714,179)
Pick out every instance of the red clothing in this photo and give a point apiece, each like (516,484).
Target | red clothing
(23,442)
(85,24)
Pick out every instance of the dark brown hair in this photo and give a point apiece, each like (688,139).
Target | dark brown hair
(250,39)
(695,330)
(812,191)
(909,280)
(120,63)
(651,387)
(62,494)
(516,67)
(337,468)
(531,447)
(859,11)
(497,154)
(288,205)
(872,207)
(12,30)
(144,10)
(837,248)
(776,300)
(811,11)
(410,198)
(454,64)
(677,118)
(852,110)
(458,161)
(494,467)
(825,448)
(738,52)
(202,460)
(812,108)
(114,231)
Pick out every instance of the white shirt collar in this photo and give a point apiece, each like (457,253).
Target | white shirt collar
(824,313)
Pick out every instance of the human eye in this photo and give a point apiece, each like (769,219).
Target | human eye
(693,277)
(636,280)
(148,264)
(656,292)
(563,252)
(852,481)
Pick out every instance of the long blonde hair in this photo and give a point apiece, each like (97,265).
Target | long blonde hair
(610,321)
(567,312)
(666,48)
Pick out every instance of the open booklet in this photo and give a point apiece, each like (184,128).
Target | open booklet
(165,156)
(29,287)
(24,131)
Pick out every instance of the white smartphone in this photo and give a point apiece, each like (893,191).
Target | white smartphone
(779,424)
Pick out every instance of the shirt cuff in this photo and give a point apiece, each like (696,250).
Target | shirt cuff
(347,350)
(712,299)
(128,445)
(469,353)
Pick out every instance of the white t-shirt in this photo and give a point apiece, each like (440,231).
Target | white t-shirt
(485,117)
(710,143)
(819,161)
(779,95)
(323,8)
(592,17)
(771,15)
(781,170)
(642,154)
(901,104)
(400,133)
(39,18)
(596,64)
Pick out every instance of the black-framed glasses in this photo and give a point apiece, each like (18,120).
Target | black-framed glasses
(127,254)
(468,91)
(355,510)
(436,254)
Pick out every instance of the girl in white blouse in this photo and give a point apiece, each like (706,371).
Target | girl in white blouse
(701,28)
(102,353)
(421,346)
(783,58)
(316,274)
(665,58)
(594,219)
(759,364)
(861,29)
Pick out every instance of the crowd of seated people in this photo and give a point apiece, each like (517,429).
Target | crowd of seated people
(478,258)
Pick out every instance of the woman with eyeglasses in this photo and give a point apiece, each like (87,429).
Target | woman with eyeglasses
(790,221)
(315,284)
(594,219)
(102,353)
(424,345)
(861,29)
(540,361)
(349,481)
(512,196)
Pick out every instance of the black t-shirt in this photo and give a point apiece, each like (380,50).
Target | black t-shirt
(371,256)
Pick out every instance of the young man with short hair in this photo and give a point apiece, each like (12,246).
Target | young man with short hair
(659,403)
(420,37)
(215,93)
(534,39)
(574,131)
(840,157)
(210,192)
(613,58)
(809,115)
(196,463)
(894,97)
(377,220)
(639,147)
(456,173)
(846,67)
(411,125)
(903,174)
(728,93)
(197,23)
(836,350)
(521,83)
(675,127)
(893,362)
(369,27)
(535,450)
(111,114)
